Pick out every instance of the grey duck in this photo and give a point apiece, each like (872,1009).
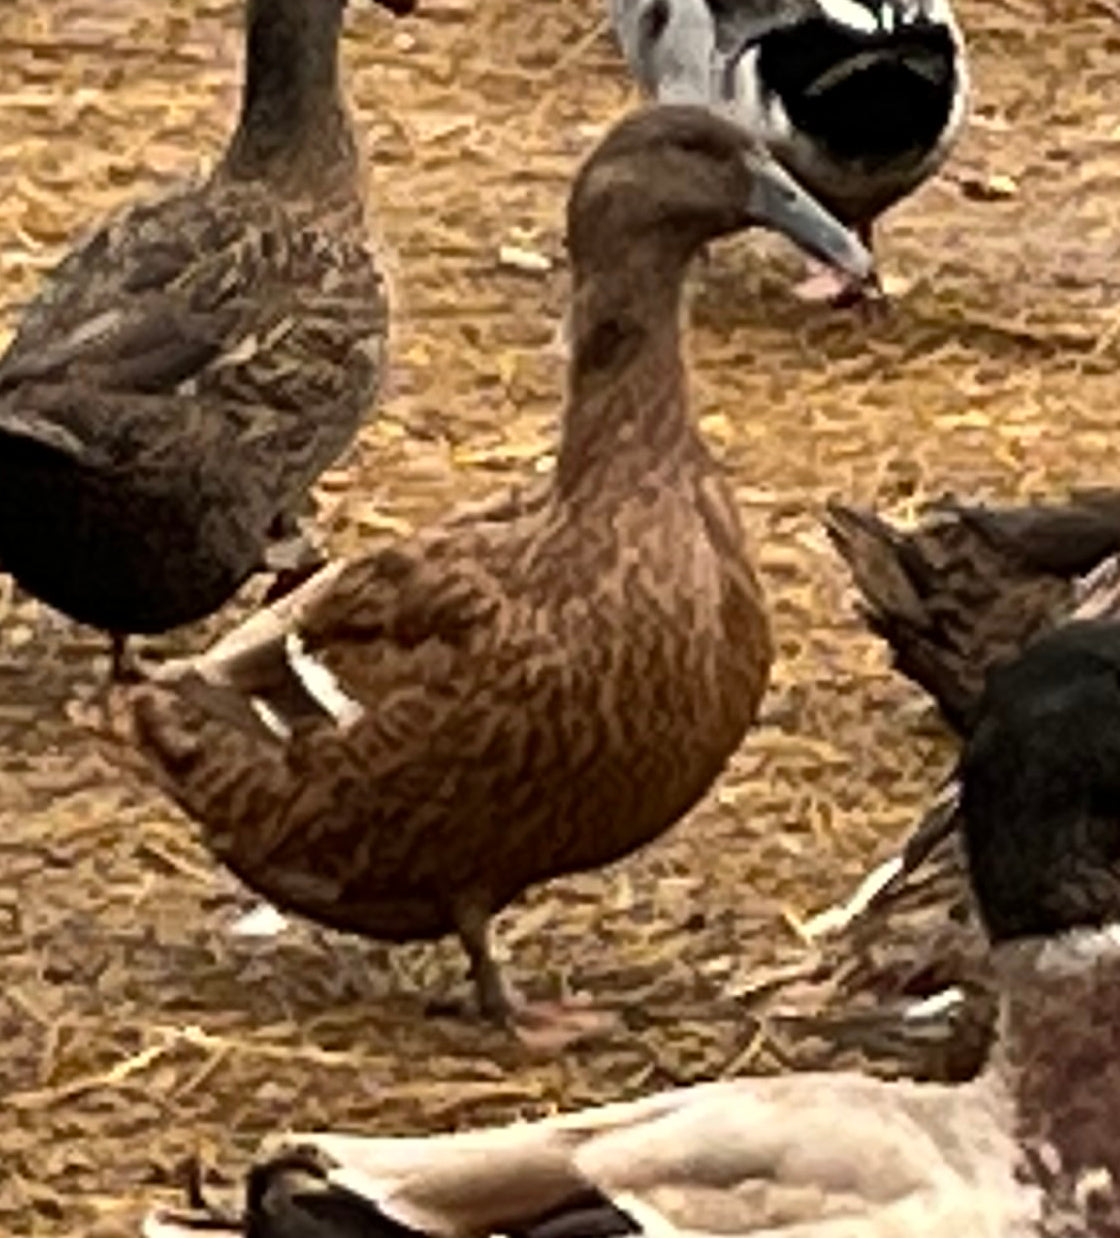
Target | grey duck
(861,100)
(1030,1148)
(189,370)
(534,687)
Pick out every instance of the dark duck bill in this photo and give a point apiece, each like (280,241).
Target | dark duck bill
(778,201)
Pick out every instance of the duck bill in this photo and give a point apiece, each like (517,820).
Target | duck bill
(399,8)
(777,201)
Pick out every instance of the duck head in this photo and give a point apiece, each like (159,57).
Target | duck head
(1040,787)
(671,47)
(679,176)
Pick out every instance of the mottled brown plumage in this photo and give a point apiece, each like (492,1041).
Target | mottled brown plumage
(537,686)
(1030,1149)
(971,586)
(188,372)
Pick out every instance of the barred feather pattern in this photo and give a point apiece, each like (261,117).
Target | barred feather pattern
(545,685)
(970,587)
(209,355)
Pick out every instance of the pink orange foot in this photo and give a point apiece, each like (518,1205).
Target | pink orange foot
(552,1027)
(825,286)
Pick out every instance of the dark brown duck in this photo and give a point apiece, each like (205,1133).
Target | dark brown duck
(539,686)
(190,370)
(1030,1149)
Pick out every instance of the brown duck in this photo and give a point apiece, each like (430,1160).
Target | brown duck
(190,370)
(1030,1149)
(532,688)
(971,585)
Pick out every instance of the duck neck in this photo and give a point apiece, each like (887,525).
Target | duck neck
(627,398)
(1059,1053)
(294,129)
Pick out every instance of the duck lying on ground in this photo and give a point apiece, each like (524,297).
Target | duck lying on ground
(407,741)
(861,100)
(189,371)
(899,977)
(1032,1147)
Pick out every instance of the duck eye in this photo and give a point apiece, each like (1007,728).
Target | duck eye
(655,19)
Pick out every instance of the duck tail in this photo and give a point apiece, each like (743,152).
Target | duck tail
(284,1197)
(911,600)
(970,587)
(207,748)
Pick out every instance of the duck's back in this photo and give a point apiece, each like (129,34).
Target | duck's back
(863,113)
(183,378)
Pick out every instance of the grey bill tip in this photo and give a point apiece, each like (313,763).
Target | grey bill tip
(779,202)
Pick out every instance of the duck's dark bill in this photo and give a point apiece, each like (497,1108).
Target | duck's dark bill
(778,201)
(399,8)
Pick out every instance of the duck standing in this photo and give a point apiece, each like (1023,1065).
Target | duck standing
(189,371)
(861,100)
(1031,1149)
(407,741)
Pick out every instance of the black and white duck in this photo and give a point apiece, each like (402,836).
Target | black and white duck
(1029,1149)
(410,739)
(861,100)
(189,370)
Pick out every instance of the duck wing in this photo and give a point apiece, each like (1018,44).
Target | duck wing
(305,726)
(758,1157)
(211,319)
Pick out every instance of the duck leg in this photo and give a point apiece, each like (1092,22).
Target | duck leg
(826,285)
(546,1027)
(124,666)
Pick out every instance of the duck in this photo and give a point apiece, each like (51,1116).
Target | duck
(531,687)
(861,100)
(191,368)
(1030,1147)
(971,585)
(898,977)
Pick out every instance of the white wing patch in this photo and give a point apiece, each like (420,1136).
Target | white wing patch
(270,718)
(321,683)
(936,1006)
(833,919)
(855,15)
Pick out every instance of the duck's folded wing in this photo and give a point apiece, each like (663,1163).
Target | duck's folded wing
(270,736)
(824,1156)
(187,291)
(360,628)
(130,309)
